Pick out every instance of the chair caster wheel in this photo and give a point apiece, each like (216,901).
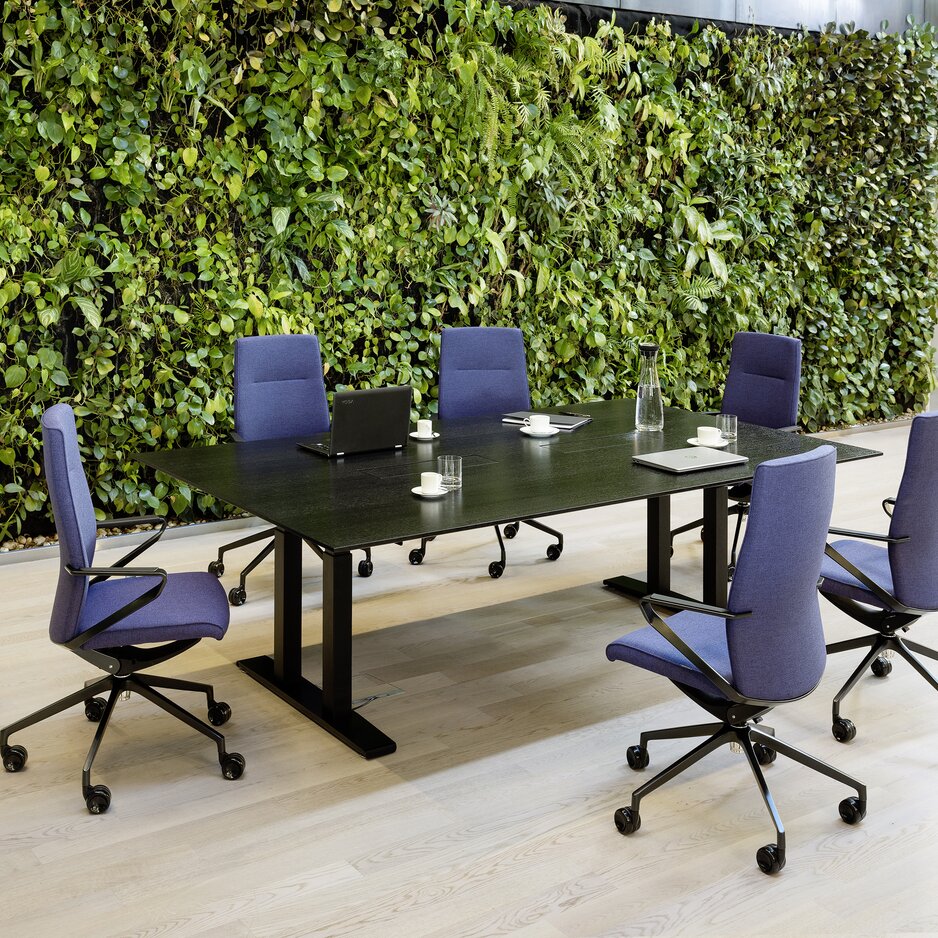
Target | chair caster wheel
(237,596)
(843,730)
(627,821)
(98,799)
(637,757)
(554,551)
(94,709)
(217,567)
(232,765)
(416,556)
(881,667)
(511,530)
(496,569)
(219,713)
(764,755)
(14,758)
(852,810)
(365,568)
(771,858)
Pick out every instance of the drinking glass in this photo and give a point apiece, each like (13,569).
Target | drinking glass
(727,426)
(450,467)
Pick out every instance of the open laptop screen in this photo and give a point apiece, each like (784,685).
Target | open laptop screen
(364,421)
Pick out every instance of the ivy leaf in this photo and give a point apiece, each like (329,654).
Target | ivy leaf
(89,310)
(255,305)
(498,247)
(330,200)
(343,228)
(280,216)
(543,279)
(690,261)
(189,156)
(302,271)
(14,376)
(49,316)
(336,173)
(50,126)
(717,264)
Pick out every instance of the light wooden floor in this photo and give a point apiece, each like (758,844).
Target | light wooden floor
(495,814)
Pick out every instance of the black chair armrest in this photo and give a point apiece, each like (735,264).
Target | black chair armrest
(140,548)
(867,536)
(102,573)
(888,505)
(690,605)
(131,521)
(670,636)
(890,601)
(116,571)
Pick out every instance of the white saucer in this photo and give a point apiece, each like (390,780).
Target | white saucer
(420,493)
(423,439)
(695,442)
(538,434)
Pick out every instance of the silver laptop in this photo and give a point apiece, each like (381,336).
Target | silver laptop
(365,421)
(690,459)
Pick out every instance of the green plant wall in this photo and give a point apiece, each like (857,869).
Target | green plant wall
(174,175)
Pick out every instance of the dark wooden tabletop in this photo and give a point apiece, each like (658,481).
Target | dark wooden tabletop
(359,501)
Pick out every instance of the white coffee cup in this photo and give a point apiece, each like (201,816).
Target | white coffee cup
(431,483)
(425,428)
(539,423)
(709,436)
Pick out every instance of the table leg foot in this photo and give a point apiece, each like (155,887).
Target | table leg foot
(351,728)
(635,588)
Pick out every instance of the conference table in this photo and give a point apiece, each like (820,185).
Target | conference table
(350,503)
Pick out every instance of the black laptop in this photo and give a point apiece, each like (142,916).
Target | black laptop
(364,421)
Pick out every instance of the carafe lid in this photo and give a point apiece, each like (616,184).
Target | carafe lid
(648,348)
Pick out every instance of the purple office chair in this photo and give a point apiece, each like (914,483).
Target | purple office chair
(484,373)
(103,614)
(762,388)
(766,648)
(888,588)
(279,392)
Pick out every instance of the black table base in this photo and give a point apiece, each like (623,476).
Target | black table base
(331,705)
(352,729)
(658,571)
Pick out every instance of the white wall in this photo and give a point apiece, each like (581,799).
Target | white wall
(814,14)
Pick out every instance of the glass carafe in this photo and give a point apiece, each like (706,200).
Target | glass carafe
(649,409)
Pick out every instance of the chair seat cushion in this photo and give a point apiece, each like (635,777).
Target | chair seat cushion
(871,559)
(192,605)
(647,649)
